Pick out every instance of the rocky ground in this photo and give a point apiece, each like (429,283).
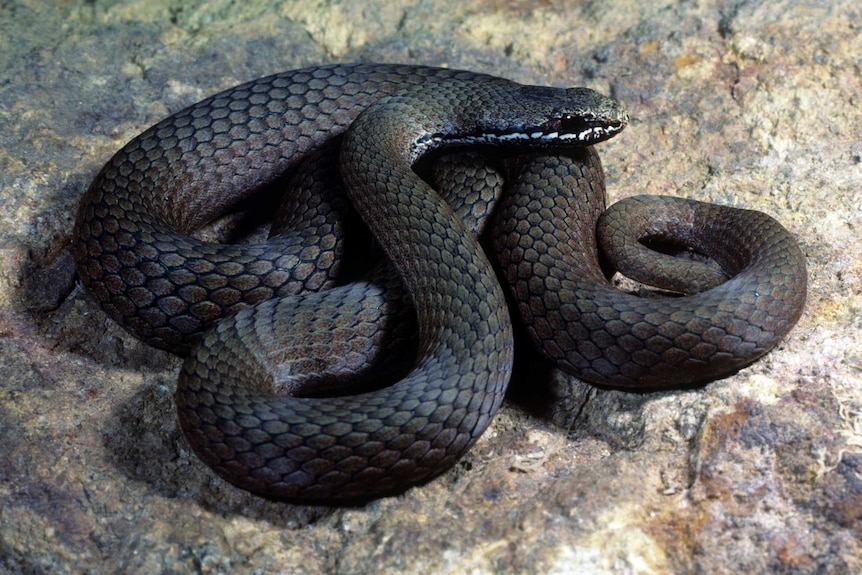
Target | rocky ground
(746,103)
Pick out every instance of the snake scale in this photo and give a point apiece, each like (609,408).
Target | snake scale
(263,323)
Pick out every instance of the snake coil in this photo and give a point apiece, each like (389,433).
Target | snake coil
(258,320)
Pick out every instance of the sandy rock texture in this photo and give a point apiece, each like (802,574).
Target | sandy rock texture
(747,103)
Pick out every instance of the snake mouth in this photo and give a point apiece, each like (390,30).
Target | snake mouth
(583,128)
(589,128)
(566,130)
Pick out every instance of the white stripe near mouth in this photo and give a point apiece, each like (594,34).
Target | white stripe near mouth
(593,134)
(583,136)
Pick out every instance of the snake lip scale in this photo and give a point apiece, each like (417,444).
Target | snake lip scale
(267,327)
(585,130)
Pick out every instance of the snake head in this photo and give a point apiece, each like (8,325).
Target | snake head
(583,117)
(549,117)
(498,113)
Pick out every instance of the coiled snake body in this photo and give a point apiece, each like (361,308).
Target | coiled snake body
(243,397)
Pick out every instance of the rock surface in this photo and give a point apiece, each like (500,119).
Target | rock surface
(747,103)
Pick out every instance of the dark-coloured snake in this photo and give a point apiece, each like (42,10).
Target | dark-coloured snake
(263,324)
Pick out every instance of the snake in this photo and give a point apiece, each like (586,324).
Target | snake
(269,327)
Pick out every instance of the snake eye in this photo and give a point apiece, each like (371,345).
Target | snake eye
(571,124)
